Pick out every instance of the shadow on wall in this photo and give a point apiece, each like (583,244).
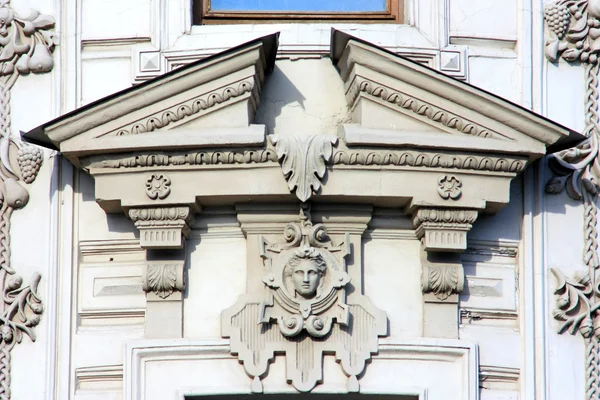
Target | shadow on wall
(278,92)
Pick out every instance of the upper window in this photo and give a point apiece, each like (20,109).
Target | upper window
(207,11)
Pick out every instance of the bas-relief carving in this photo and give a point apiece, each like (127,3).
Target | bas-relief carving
(158,186)
(188,108)
(26,43)
(411,104)
(303,161)
(163,278)
(340,157)
(443,280)
(303,311)
(572,34)
(443,229)
(450,187)
(161,227)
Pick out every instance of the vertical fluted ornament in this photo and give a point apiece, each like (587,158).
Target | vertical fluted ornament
(573,34)
(26,44)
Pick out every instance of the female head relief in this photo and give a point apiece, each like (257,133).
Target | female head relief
(306,267)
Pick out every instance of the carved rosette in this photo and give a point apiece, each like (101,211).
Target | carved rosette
(443,229)
(161,227)
(303,311)
(303,161)
(450,187)
(158,186)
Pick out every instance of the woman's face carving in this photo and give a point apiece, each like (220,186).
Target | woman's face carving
(306,277)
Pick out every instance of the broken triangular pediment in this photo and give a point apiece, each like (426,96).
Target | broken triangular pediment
(397,102)
(412,137)
(209,103)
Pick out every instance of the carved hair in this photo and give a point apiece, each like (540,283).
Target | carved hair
(310,254)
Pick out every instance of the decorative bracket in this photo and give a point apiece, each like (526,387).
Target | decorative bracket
(163,278)
(443,229)
(161,227)
(303,160)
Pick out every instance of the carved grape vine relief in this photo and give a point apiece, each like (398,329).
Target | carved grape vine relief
(26,44)
(573,34)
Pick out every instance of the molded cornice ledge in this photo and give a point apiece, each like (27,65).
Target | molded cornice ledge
(444,127)
(207,104)
(218,94)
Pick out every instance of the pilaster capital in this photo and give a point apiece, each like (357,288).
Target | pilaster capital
(162,227)
(443,229)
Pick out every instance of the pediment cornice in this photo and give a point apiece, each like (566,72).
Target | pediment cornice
(432,101)
(208,103)
(414,139)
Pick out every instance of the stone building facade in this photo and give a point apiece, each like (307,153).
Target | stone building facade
(398,204)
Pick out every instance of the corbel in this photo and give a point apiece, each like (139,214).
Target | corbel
(443,235)
(443,229)
(162,227)
(163,231)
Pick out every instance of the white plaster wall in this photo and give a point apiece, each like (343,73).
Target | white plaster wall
(98,56)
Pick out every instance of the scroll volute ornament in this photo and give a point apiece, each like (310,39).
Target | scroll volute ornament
(305,280)
(303,313)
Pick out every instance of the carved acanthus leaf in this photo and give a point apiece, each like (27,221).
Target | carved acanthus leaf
(303,161)
(442,280)
(162,279)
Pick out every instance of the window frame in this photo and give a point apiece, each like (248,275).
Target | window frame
(203,15)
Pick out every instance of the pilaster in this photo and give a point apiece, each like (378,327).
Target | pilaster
(443,235)
(163,231)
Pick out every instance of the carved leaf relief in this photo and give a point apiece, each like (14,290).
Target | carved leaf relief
(162,279)
(303,161)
